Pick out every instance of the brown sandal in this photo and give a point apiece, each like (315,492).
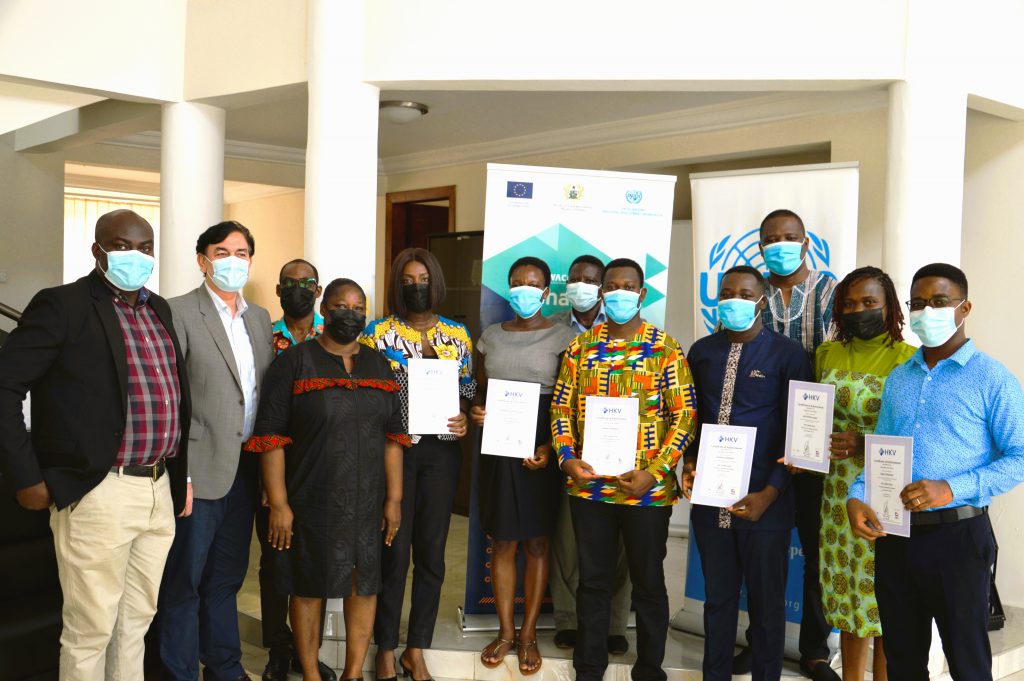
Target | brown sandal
(494,646)
(521,647)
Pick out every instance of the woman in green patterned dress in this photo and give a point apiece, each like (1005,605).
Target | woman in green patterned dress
(867,344)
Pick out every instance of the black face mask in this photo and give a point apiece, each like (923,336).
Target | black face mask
(866,324)
(344,325)
(297,302)
(416,297)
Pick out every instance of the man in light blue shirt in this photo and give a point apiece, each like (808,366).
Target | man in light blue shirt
(965,412)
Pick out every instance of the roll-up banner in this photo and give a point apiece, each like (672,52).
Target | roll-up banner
(557,214)
(727,211)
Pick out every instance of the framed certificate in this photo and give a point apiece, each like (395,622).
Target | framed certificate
(610,434)
(510,428)
(888,468)
(809,425)
(724,460)
(433,395)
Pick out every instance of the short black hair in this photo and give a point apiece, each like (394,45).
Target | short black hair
(624,262)
(530,261)
(396,303)
(747,269)
(944,270)
(298,261)
(221,231)
(780,213)
(341,283)
(587,259)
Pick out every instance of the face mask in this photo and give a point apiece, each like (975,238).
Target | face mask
(416,297)
(297,302)
(128,270)
(344,325)
(582,296)
(784,258)
(737,314)
(866,324)
(526,301)
(621,306)
(230,273)
(934,326)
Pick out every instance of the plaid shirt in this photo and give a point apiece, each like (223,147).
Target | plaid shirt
(151,430)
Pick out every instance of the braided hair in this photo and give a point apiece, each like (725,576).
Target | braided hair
(894,310)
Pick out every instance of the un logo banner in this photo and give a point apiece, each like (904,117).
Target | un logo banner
(745,249)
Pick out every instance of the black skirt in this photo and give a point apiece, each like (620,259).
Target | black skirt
(517,503)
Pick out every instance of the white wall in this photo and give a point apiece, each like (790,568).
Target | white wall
(110,46)
(543,42)
(31,223)
(993,240)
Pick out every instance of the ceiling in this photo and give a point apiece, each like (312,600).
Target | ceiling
(458,118)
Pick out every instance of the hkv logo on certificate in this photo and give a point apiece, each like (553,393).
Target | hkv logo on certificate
(888,468)
(809,425)
(724,460)
(610,434)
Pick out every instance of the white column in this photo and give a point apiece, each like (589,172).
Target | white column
(925,184)
(341,149)
(191,189)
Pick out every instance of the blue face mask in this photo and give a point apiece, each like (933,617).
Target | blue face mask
(526,301)
(230,274)
(621,306)
(582,296)
(128,270)
(784,258)
(934,325)
(737,314)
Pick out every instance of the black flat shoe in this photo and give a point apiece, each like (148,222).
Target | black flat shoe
(276,669)
(326,673)
(742,663)
(617,645)
(565,639)
(820,671)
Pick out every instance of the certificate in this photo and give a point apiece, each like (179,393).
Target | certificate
(610,434)
(510,428)
(433,395)
(724,460)
(809,425)
(888,468)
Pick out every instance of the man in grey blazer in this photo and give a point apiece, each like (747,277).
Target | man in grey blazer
(227,348)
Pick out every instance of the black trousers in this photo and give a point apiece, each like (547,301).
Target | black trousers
(729,557)
(644,531)
(430,474)
(814,628)
(942,572)
(277,636)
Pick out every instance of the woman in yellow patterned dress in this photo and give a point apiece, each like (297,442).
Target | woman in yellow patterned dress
(867,344)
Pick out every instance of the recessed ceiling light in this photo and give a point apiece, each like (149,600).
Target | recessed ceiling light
(401,112)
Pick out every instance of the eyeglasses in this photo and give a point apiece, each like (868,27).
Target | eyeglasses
(307,283)
(917,304)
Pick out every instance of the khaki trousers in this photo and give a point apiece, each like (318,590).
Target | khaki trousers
(111,547)
(564,578)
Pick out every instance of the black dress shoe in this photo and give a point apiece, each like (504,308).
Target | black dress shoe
(819,671)
(276,669)
(565,639)
(618,645)
(742,663)
(326,673)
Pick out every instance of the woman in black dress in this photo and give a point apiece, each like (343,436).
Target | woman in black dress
(330,431)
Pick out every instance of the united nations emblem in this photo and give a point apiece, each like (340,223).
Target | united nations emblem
(573,192)
(634,196)
(733,250)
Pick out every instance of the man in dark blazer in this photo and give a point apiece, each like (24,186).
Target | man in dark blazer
(107,453)
(227,347)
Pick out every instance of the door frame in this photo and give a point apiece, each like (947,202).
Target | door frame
(413,196)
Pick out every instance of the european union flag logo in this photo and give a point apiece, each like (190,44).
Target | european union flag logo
(519,190)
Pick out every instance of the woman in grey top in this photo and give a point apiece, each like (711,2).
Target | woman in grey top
(519,499)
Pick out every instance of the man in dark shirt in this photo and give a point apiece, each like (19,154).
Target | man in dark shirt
(742,376)
(110,415)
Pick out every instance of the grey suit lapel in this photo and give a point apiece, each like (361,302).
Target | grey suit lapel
(216,328)
(256,337)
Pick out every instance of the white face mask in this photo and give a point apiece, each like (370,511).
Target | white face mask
(582,296)
(934,325)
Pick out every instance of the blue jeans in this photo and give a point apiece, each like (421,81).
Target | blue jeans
(197,612)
